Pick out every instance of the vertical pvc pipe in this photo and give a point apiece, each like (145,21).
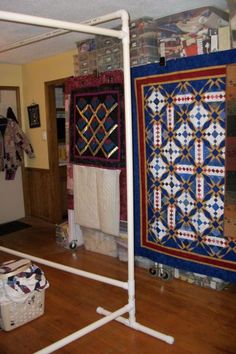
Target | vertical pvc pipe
(75,232)
(129,160)
(71,225)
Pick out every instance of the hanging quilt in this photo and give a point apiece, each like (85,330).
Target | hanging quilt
(179,125)
(97,126)
(113,81)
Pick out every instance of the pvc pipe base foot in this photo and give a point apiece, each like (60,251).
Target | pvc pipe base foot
(135,325)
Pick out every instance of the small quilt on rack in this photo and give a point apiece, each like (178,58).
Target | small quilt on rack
(179,155)
(97,126)
(85,84)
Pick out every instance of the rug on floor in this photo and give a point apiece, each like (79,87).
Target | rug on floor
(12,226)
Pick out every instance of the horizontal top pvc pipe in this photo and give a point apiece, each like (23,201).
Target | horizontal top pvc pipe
(34,39)
(47,22)
(122,14)
(58,32)
(68,269)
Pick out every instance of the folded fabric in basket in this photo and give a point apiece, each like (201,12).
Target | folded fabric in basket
(97,198)
(13,267)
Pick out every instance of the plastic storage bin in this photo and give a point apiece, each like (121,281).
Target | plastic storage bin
(141,26)
(87,45)
(99,242)
(148,40)
(141,60)
(192,32)
(122,245)
(106,42)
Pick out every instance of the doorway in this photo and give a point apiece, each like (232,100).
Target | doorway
(11,191)
(54,93)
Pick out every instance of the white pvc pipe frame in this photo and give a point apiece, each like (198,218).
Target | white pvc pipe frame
(130,286)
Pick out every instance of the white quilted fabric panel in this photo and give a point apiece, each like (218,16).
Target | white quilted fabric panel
(97,198)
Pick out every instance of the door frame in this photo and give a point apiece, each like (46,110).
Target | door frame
(53,145)
(18,115)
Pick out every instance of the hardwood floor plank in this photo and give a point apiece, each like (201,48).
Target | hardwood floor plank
(201,320)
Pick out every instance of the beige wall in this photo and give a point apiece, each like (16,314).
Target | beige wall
(11,75)
(34,76)
(31,79)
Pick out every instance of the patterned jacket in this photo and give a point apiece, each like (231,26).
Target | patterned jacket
(13,142)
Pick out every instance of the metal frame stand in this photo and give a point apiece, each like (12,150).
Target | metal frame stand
(122,34)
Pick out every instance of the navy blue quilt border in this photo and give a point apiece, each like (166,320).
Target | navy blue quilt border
(195,62)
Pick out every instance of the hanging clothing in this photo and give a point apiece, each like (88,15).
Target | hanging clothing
(97,198)
(11,114)
(13,142)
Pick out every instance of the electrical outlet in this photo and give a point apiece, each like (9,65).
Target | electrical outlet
(44,135)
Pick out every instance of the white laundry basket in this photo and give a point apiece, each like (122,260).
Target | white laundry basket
(13,314)
(16,313)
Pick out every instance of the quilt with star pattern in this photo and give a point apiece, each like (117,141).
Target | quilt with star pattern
(179,128)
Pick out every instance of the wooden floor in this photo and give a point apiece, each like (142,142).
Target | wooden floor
(203,321)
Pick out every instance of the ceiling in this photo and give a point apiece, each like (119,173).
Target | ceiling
(76,11)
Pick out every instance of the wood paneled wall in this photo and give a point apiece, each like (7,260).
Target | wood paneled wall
(42,195)
(45,190)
